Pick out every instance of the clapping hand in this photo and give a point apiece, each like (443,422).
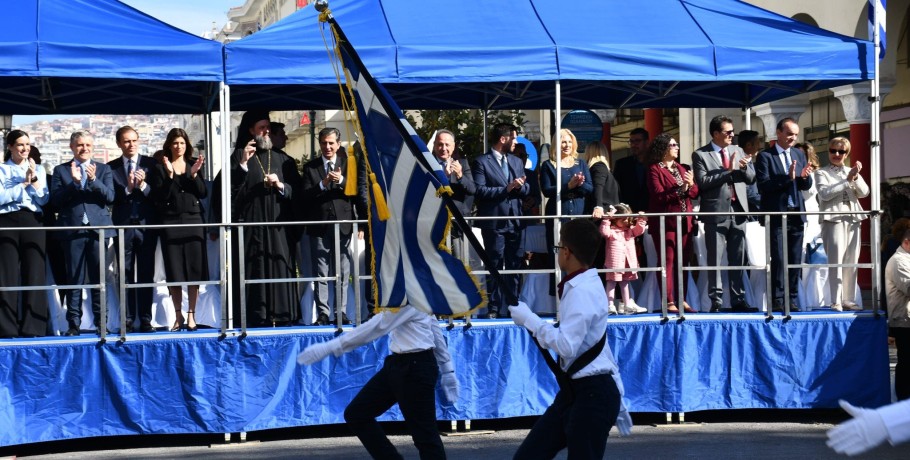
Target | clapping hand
(30,174)
(197,165)
(168,166)
(576,180)
(76,171)
(454,167)
(854,173)
(518,182)
(689,180)
(90,172)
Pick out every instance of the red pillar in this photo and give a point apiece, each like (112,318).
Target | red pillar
(860,135)
(654,121)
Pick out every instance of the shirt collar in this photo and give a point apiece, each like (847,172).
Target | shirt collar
(569,278)
(780,149)
(717,148)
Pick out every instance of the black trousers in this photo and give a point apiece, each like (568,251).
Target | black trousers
(503,250)
(139,267)
(409,380)
(794,250)
(22,263)
(579,419)
(902,369)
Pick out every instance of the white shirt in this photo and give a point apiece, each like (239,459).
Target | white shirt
(897,421)
(15,197)
(897,286)
(409,329)
(784,155)
(583,322)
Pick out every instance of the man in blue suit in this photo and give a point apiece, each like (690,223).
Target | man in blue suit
(781,172)
(132,206)
(81,191)
(499,180)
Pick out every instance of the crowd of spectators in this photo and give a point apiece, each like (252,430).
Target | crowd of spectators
(730,183)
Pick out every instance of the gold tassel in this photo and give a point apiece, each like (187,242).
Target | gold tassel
(350,185)
(382,209)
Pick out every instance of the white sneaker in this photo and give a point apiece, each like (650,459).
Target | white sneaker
(613,309)
(632,308)
(852,307)
(836,307)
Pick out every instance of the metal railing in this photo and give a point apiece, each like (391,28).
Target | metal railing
(224,281)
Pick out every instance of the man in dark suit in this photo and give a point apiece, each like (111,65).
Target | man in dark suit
(722,173)
(81,191)
(132,206)
(459,173)
(631,172)
(499,179)
(323,198)
(782,171)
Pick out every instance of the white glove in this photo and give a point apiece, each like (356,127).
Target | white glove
(865,431)
(624,420)
(318,351)
(520,313)
(449,386)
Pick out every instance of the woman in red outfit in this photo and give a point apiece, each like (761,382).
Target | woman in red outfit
(671,188)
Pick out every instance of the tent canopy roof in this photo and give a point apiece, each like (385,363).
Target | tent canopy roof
(102,56)
(502,54)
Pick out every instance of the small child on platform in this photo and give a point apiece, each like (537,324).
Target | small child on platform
(619,236)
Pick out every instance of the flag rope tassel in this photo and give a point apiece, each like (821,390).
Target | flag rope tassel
(382,208)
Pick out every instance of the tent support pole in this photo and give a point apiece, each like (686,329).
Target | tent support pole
(555,154)
(224,232)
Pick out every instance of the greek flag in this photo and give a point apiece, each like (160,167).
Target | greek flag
(411,264)
(877,9)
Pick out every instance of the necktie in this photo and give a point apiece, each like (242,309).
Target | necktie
(329,167)
(83,182)
(505,167)
(130,169)
(725,159)
(791,199)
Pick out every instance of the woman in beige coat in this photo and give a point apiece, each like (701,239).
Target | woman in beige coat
(839,189)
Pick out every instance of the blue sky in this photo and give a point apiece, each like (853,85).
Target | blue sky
(194,16)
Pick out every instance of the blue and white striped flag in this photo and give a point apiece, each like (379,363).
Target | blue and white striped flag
(877,9)
(411,264)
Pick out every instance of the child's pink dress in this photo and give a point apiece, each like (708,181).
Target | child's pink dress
(620,249)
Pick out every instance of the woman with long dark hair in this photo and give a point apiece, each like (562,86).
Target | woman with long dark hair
(23,191)
(177,187)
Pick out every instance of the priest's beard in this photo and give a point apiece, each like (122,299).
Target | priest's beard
(263,143)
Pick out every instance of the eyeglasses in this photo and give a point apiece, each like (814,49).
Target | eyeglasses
(672,145)
(556,248)
(636,141)
(837,152)
(729,133)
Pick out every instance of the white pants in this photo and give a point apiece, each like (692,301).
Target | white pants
(841,241)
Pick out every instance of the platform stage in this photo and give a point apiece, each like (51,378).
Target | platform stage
(193,382)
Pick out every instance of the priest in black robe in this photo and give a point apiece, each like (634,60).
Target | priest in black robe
(263,183)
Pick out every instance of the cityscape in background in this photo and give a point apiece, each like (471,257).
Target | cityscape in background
(52,137)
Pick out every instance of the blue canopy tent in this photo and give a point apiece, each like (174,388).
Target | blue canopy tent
(502,54)
(102,56)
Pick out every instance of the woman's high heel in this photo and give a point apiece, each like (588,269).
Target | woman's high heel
(191,321)
(178,324)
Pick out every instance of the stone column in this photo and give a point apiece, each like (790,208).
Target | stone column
(773,112)
(858,111)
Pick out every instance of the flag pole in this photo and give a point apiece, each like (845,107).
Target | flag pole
(322,7)
(413,147)
(875,153)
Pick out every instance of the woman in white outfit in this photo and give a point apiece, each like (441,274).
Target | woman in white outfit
(839,189)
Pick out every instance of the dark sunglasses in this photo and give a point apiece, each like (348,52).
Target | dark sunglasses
(837,152)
